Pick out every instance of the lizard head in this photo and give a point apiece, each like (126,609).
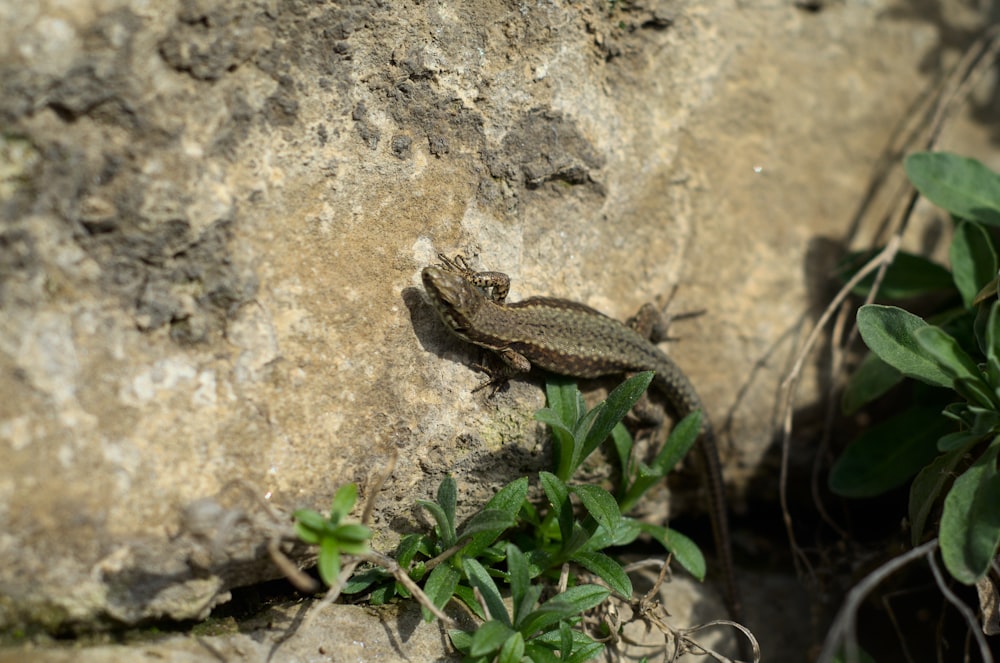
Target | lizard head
(455,299)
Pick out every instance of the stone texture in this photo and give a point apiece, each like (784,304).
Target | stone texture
(214,215)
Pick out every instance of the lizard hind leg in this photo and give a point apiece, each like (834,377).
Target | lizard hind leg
(651,321)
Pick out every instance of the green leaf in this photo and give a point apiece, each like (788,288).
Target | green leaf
(991,334)
(520,581)
(512,650)
(907,276)
(551,418)
(487,520)
(353,532)
(466,595)
(956,363)
(600,504)
(970,521)
(447,498)
(445,530)
(583,647)
(440,587)
(873,378)
(622,441)
(508,500)
(973,260)
(564,399)
(607,570)
(681,439)
(489,637)
(684,550)
(927,487)
(343,501)
(557,493)
(481,580)
(889,332)
(961,186)
(616,406)
(309,525)
(574,601)
(329,560)
(461,640)
(888,454)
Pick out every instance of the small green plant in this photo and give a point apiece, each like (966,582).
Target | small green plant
(528,547)
(533,632)
(333,536)
(949,438)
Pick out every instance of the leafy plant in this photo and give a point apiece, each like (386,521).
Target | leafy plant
(533,632)
(956,353)
(574,526)
(334,537)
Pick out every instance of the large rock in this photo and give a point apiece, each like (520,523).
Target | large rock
(215,215)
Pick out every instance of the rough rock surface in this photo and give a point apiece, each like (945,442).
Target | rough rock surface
(214,215)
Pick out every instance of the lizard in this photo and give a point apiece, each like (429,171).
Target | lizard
(572,339)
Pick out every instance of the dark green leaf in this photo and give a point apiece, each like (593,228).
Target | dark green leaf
(600,504)
(908,276)
(873,378)
(888,454)
(889,333)
(487,520)
(557,493)
(466,595)
(617,405)
(440,586)
(622,441)
(512,650)
(970,521)
(956,363)
(927,487)
(684,550)
(461,640)
(607,570)
(973,260)
(361,581)
(520,582)
(481,580)
(447,498)
(573,602)
(550,418)
(564,399)
(961,186)
(991,335)
(445,528)
(489,637)
(680,441)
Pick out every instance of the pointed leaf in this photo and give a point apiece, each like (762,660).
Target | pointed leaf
(616,406)
(599,504)
(607,570)
(481,580)
(684,550)
(440,586)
